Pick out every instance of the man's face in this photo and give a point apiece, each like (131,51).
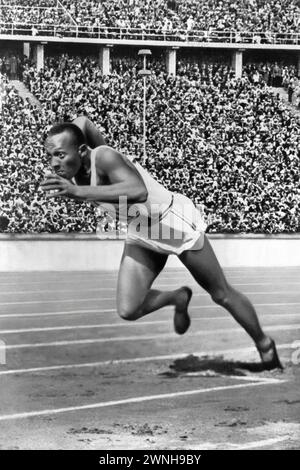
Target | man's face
(65,154)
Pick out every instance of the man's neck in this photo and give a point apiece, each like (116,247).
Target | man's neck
(86,162)
(84,173)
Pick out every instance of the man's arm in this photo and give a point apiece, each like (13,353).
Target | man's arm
(93,136)
(123,181)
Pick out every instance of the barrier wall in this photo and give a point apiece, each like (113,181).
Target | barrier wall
(145,43)
(88,253)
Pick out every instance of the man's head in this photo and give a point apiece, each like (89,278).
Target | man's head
(66,146)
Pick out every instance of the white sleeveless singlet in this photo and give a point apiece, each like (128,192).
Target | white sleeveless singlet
(167,222)
(159,198)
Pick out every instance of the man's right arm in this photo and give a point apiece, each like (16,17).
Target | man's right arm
(93,136)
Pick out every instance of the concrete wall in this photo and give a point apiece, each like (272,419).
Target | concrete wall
(88,253)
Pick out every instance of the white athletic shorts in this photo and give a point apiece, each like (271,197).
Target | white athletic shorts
(179,227)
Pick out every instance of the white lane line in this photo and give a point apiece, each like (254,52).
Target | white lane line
(263,443)
(130,324)
(74,300)
(168,271)
(58,281)
(89,299)
(138,360)
(230,446)
(73,275)
(55,301)
(195,285)
(94,288)
(264,304)
(127,401)
(155,285)
(56,291)
(141,337)
(82,327)
(276,304)
(186,277)
(109,310)
(68,312)
(250,378)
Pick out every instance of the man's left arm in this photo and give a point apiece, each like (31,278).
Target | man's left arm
(124,181)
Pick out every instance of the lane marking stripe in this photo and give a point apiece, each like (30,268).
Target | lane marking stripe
(129,324)
(55,301)
(185,275)
(109,310)
(231,446)
(89,299)
(96,289)
(140,337)
(264,443)
(133,400)
(137,360)
(47,314)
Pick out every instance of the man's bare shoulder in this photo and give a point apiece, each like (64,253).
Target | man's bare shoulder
(107,157)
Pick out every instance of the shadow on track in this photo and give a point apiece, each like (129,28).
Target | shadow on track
(209,366)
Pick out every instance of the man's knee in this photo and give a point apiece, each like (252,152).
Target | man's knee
(221,296)
(128,313)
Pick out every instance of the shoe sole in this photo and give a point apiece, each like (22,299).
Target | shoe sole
(181,325)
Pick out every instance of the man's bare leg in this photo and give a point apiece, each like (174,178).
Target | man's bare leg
(205,268)
(135,298)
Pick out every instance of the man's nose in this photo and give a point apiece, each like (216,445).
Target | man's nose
(55,163)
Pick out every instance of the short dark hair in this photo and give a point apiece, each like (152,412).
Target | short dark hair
(74,130)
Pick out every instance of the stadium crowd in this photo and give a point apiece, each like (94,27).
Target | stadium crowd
(163,16)
(26,14)
(231,145)
(11,65)
(22,166)
(273,74)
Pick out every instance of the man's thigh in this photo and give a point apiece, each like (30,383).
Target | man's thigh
(139,268)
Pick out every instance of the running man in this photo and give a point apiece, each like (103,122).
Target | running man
(105,177)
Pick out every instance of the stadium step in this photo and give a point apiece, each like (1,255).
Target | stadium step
(25,93)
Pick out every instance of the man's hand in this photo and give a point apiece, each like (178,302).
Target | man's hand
(56,186)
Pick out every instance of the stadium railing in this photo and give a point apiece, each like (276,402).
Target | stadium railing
(102,32)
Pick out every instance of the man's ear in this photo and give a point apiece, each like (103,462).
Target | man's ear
(83,149)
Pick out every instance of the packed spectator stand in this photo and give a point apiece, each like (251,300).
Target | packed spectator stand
(256,21)
(229,144)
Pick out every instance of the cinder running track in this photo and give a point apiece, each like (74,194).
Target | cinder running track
(78,377)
